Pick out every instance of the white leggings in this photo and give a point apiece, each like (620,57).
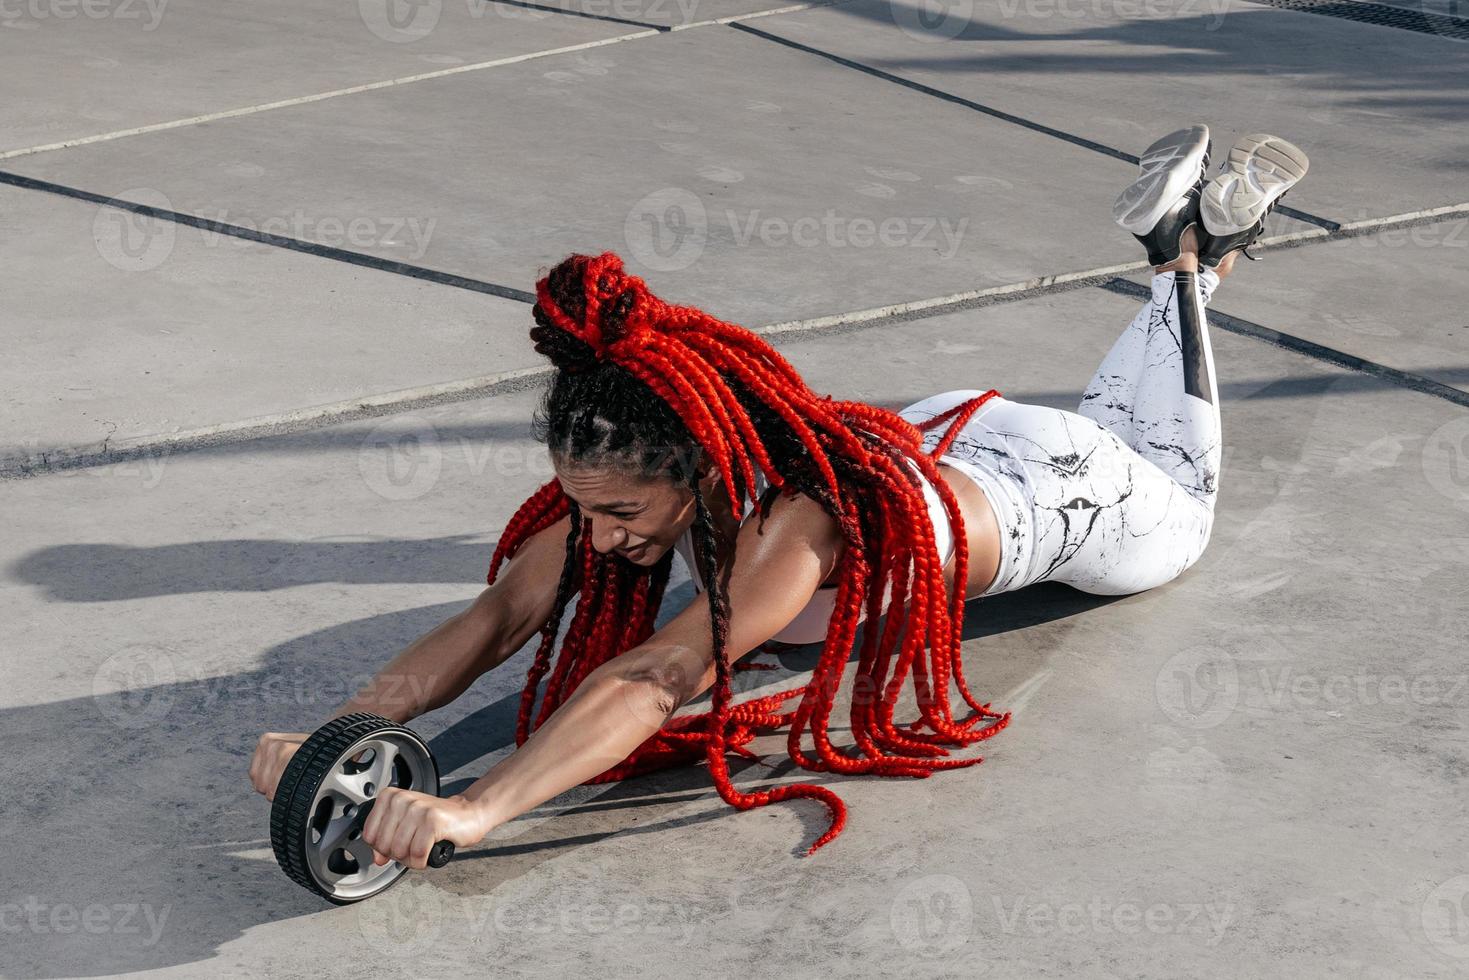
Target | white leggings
(1118,496)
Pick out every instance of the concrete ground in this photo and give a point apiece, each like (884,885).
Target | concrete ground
(267,390)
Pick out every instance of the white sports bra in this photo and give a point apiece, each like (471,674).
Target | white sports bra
(811,623)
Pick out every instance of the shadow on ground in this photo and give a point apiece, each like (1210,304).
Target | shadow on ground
(144,793)
(146,800)
(1230,39)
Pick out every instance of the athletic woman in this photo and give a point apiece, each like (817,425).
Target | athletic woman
(801,516)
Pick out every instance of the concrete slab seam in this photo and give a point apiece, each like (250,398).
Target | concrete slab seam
(19,465)
(999,114)
(318,97)
(571,12)
(1309,348)
(651,30)
(332,252)
(669,28)
(245,430)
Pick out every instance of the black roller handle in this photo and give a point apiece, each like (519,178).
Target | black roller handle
(438,855)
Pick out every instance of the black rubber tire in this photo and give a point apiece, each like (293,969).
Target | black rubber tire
(290,813)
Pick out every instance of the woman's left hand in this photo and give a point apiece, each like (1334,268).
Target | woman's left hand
(404,825)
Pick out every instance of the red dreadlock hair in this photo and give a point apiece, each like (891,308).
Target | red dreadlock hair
(744,406)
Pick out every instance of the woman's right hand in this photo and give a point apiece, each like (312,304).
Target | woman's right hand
(272,753)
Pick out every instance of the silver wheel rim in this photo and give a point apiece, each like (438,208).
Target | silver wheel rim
(337,856)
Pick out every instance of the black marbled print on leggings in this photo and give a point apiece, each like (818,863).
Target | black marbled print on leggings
(1116,497)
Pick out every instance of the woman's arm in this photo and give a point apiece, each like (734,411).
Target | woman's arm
(776,571)
(439,666)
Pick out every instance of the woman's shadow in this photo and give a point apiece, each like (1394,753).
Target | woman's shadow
(133,805)
(464,747)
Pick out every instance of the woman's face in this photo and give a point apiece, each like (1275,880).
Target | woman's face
(636,517)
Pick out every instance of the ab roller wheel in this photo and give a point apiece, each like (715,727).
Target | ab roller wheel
(324,796)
